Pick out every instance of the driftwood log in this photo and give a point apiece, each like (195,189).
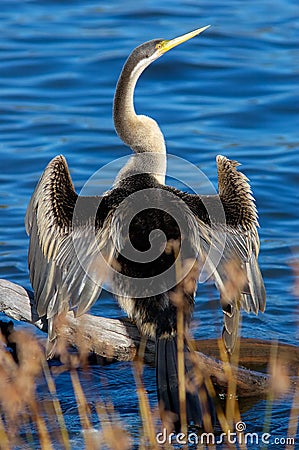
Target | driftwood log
(119,340)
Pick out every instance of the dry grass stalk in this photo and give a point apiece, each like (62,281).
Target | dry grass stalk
(113,434)
(181,365)
(235,281)
(280,380)
(144,406)
(270,396)
(295,267)
(3,436)
(71,360)
(57,406)
(220,414)
(17,380)
(83,408)
(44,437)
(294,416)
(178,299)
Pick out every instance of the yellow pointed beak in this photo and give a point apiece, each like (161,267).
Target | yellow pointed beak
(164,46)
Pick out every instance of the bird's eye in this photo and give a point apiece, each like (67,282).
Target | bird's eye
(158,46)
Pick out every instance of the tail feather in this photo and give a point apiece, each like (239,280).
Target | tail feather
(167,385)
(166,373)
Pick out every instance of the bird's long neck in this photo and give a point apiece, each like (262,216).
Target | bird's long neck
(139,132)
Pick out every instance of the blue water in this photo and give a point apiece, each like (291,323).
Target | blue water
(231,91)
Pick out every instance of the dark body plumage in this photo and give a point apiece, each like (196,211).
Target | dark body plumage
(73,239)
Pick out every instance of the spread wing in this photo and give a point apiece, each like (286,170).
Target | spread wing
(233,245)
(243,282)
(66,234)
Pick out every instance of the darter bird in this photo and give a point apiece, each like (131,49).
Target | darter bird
(151,239)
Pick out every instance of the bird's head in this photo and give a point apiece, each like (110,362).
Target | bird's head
(143,55)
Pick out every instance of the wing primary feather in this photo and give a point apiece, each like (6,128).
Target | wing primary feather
(241,247)
(57,269)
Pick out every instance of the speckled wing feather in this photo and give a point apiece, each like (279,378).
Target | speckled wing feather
(231,245)
(65,238)
(243,285)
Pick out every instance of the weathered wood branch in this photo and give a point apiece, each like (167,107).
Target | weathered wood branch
(119,339)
